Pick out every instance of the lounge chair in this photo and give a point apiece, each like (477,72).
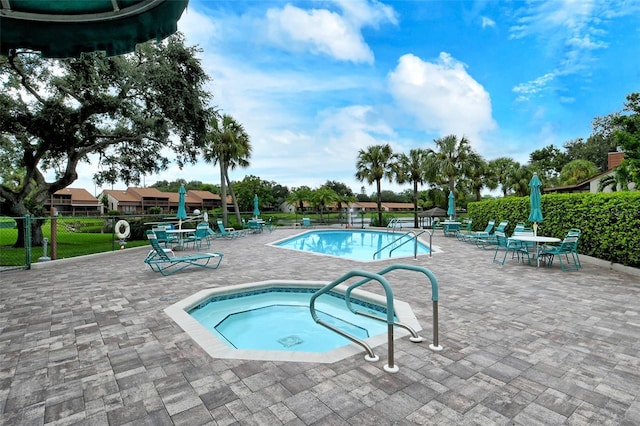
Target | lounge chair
(473,236)
(503,243)
(227,232)
(490,240)
(464,230)
(306,223)
(166,262)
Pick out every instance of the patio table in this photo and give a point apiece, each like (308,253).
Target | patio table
(450,227)
(535,239)
(182,233)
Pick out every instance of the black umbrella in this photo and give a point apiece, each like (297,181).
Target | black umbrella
(60,29)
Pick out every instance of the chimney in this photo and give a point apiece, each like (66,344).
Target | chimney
(614,159)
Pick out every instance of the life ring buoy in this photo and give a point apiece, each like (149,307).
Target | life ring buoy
(122,229)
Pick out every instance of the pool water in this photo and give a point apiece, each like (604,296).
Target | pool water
(279,319)
(360,245)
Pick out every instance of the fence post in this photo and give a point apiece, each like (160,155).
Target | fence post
(27,241)
(54,233)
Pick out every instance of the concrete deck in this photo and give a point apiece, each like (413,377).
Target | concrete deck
(86,342)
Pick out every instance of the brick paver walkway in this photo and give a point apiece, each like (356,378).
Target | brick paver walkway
(86,341)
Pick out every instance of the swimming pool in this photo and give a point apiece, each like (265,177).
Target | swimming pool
(216,346)
(360,245)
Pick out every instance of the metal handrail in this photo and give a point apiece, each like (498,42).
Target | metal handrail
(415,246)
(390,314)
(435,346)
(392,224)
(414,237)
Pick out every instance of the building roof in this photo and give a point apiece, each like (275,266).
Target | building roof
(203,195)
(121,195)
(149,192)
(78,195)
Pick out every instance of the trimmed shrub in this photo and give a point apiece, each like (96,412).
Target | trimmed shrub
(609,221)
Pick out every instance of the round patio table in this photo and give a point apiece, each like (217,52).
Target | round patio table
(535,239)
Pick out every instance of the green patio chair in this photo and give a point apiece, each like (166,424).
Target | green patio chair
(464,230)
(472,236)
(490,240)
(566,251)
(166,262)
(503,243)
(228,233)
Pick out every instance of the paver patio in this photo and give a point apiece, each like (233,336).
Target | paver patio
(85,341)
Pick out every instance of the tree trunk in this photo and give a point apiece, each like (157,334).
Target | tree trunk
(235,200)
(18,212)
(415,204)
(379,202)
(223,192)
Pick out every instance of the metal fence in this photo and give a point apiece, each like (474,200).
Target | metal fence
(26,240)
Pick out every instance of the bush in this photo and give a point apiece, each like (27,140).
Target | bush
(609,221)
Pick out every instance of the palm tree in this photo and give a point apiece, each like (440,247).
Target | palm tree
(519,181)
(298,196)
(619,180)
(418,167)
(478,176)
(323,196)
(452,156)
(577,171)
(503,169)
(228,145)
(373,165)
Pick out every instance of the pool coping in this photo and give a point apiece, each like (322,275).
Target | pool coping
(216,348)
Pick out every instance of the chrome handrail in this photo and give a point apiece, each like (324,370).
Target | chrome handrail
(414,237)
(435,346)
(415,246)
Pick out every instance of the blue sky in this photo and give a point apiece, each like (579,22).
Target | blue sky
(313,82)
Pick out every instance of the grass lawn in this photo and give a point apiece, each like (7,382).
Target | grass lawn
(70,244)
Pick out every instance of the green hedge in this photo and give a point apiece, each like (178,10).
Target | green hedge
(610,222)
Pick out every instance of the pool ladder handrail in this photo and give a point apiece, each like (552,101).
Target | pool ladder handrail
(393,222)
(435,346)
(413,238)
(369,276)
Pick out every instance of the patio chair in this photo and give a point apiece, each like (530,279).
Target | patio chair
(503,243)
(464,230)
(306,223)
(202,236)
(565,250)
(163,236)
(472,236)
(227,232)
(166,262)
(490,240)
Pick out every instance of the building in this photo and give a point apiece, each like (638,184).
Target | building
(74,202)
(140,200)
(593,183)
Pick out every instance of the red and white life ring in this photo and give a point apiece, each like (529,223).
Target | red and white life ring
(122,229)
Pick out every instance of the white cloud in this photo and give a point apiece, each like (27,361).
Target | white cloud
(569,30)
(442,96)
(526,90)
(488,22)
(325,32)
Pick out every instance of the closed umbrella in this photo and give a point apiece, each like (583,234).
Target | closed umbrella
(535,214)
(256,210)
(182,210)
(451,211)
